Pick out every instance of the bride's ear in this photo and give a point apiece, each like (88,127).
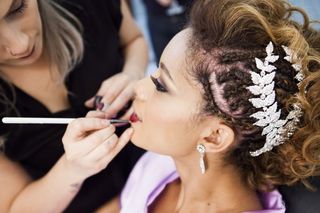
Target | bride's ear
(217,137)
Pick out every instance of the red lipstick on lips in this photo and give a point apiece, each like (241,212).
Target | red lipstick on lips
(134,118)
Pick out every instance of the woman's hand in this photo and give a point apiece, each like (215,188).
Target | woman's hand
(90,144)
(117,90)
(116,93)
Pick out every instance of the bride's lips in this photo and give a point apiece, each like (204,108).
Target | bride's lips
(134,118)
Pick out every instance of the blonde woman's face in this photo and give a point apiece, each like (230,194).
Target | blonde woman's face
(20,32)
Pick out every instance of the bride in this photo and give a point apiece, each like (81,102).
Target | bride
(231,113)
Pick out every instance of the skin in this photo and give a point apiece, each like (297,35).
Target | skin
(172,125)
(21,31)
(89,143)
(179,105)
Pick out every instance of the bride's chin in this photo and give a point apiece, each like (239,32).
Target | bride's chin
(135,141)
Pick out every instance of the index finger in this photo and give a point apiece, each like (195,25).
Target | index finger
(120,102)
(81,126)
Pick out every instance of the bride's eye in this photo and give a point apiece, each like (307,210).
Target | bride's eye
(158,85)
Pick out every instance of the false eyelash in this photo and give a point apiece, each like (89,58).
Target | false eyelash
(158,85)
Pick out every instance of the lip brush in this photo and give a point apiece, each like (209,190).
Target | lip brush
(38,120)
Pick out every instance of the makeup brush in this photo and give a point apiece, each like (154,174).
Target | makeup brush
(38,120)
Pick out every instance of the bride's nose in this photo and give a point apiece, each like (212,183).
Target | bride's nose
(141,89)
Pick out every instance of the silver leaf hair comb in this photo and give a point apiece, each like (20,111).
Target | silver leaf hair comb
(277,130)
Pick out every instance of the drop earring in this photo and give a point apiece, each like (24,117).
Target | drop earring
(202,149)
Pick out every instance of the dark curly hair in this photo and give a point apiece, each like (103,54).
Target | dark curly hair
(227,36)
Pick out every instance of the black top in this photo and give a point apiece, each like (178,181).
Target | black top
(38,147)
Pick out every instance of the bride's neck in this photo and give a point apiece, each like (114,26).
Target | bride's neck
(220,189)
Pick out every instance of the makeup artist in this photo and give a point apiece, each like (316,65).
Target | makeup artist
(55,57)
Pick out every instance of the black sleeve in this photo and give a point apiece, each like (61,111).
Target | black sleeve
(103,10)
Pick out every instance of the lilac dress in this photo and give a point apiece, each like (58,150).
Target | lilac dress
(151,175)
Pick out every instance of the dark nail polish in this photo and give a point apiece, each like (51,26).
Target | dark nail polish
(97,102)
(99,106)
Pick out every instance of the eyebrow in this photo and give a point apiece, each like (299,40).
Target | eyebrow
(165,69)
(10,6)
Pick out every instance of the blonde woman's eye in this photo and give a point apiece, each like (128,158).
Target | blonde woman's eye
(18,8)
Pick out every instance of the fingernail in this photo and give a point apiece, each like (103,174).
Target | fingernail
(100,106)
(97,102)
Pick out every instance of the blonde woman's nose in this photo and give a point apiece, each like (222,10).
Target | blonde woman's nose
(16,43)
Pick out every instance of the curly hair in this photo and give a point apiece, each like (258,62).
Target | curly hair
(227,36)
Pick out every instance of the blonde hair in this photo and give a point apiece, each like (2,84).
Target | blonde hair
(62,39)
(63,45)
(227,36)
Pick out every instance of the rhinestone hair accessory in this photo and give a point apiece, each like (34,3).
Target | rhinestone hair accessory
(291,57)
(277,130)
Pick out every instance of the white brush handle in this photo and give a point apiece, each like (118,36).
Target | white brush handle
(31,120)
